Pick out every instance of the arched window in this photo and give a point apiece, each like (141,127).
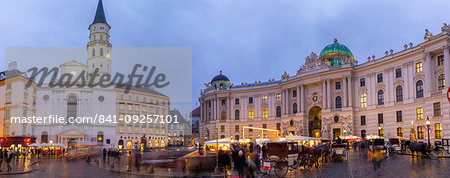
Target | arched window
(363,100)
(441,82)
(100,137)
(72,103)
(419,89)
(44,137)
(93,52)
(264,113)
(278,111)
(294,108)
(101,51)
(363,134)
(380,97)
(419,132)
(250,113)
(236,114)
(399,93)
(400,132)
(438,131)
(223,115)
(338,102)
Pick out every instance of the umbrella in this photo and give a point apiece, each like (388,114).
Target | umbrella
(45,144)
(59,144)
(34,144)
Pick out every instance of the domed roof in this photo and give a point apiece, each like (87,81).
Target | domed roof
(335,49)
(220,77)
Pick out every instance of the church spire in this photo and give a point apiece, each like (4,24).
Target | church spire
(100,14)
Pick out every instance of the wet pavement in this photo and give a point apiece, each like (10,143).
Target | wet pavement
(358,165)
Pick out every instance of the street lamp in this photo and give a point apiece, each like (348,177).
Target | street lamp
(428,129)
(379,130)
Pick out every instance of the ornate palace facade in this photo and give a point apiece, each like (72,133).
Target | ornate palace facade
(332,95)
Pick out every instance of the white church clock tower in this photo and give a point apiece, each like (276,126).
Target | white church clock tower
(99,48)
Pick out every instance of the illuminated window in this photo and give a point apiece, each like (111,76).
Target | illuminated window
(400,132)
(121,106)
(381,132)
(250,137)
(264,99)
(363,100)
(264,113)
(278,97)
(129,107)
(129,129)
(438,131)
(419,113)
(419,132)
(250,113)
(418,67)
(441,82)
(120,129)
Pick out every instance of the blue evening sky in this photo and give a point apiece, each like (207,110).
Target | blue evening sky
(249,40)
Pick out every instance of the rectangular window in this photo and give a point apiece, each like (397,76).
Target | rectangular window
(278,97)
(437,109)
(224,102)
(250,113)
(400,132)
(379,78)
(294,93)
(264,99)
(236,128)
(420,132)
(399,116)
(338,85)
(278,126)
(264,126)
(222,128)
(380,118)
(398,73)
(363,120)
(8,98)
(363,100)
(418,67)
(250,100)
(438,131)
(264,113)
(362,82)
(440,60)
(419,113)
(250,129)
(236,101)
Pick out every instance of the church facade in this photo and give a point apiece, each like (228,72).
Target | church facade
(331,95)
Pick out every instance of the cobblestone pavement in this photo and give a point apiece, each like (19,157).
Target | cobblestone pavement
(358,165)
(18,166)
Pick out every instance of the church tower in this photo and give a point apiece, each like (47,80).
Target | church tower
(99,48)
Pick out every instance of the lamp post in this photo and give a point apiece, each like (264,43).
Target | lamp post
(428,129)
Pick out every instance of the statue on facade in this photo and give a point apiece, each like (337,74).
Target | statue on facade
(445,28)
(428,35)
(285,75)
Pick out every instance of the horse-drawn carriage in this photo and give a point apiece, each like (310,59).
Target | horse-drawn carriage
(442,147)
(281,155)
(339,151)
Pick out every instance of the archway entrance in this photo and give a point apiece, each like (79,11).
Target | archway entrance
(315,122)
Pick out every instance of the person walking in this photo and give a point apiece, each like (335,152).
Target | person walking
(1,160)
(241,163)
(137,160)
(130,160)
(8,160)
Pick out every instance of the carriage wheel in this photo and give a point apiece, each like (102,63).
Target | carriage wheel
(433,154)
(307,164)
(440,153)
(281,168)
(261,170)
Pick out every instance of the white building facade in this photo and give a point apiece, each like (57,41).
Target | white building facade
(331,95)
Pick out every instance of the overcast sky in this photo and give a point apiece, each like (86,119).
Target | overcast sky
(248,40)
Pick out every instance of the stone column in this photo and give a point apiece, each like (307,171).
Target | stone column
(287,101)
(201,111)
(387,89)
(406,77)
(344,87)
(329,93)
(324,94)
(302,98)
(350,94)
(229,108)
(412,84)
(299,105)
(446,67)
(428,83)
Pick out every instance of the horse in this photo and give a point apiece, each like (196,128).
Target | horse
(417,147)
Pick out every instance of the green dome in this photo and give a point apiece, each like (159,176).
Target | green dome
(335,52)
